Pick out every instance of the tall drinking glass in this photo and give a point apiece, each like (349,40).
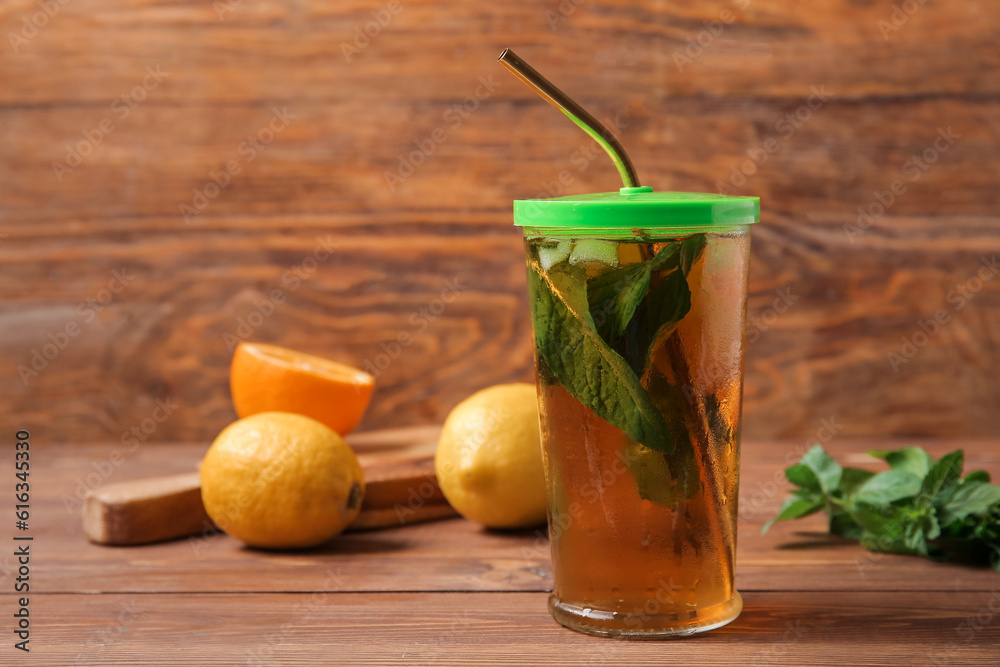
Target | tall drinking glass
(638,305)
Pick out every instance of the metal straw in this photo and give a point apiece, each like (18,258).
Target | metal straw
(586,122)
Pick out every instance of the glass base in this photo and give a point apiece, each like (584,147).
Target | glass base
(645,626)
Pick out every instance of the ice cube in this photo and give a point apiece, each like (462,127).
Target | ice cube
(594,250)
(552,255)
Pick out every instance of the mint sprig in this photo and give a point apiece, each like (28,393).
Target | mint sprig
(919,506)
(595,336)
(574,352)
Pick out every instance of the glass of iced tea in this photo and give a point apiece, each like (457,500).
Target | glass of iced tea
(638,305)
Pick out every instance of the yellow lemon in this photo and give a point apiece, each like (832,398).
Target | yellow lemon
(280,480)
(489,458)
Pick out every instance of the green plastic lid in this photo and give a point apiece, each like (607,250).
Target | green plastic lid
(637,208)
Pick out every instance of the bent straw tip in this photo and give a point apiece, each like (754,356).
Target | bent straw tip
(509,58)
(593,127)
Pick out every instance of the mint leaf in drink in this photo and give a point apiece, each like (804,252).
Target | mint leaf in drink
(597,376)
(616,296)
(668,301)
(680,468)
(691,249)
(669,298)
(668,258)
(613,297)
(919,506)
(665,479)
(595,336)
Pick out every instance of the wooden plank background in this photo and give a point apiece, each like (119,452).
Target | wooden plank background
(892,85)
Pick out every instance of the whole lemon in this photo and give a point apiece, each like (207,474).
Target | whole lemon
(279,480)
(489,458)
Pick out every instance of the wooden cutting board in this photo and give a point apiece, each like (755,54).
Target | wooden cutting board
(400,489)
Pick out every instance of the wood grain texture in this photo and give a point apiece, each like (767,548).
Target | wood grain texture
(164,336)
(405,629)
(451,554)
(320,184)
(142,511)
(328,162)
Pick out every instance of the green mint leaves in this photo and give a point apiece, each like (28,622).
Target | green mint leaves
(614,296)
(919,506)
(568,341)
(596,335)
(665,306)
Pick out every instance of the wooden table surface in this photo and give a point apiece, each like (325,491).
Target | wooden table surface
(452,593)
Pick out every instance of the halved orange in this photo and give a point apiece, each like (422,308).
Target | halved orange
(268,378)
